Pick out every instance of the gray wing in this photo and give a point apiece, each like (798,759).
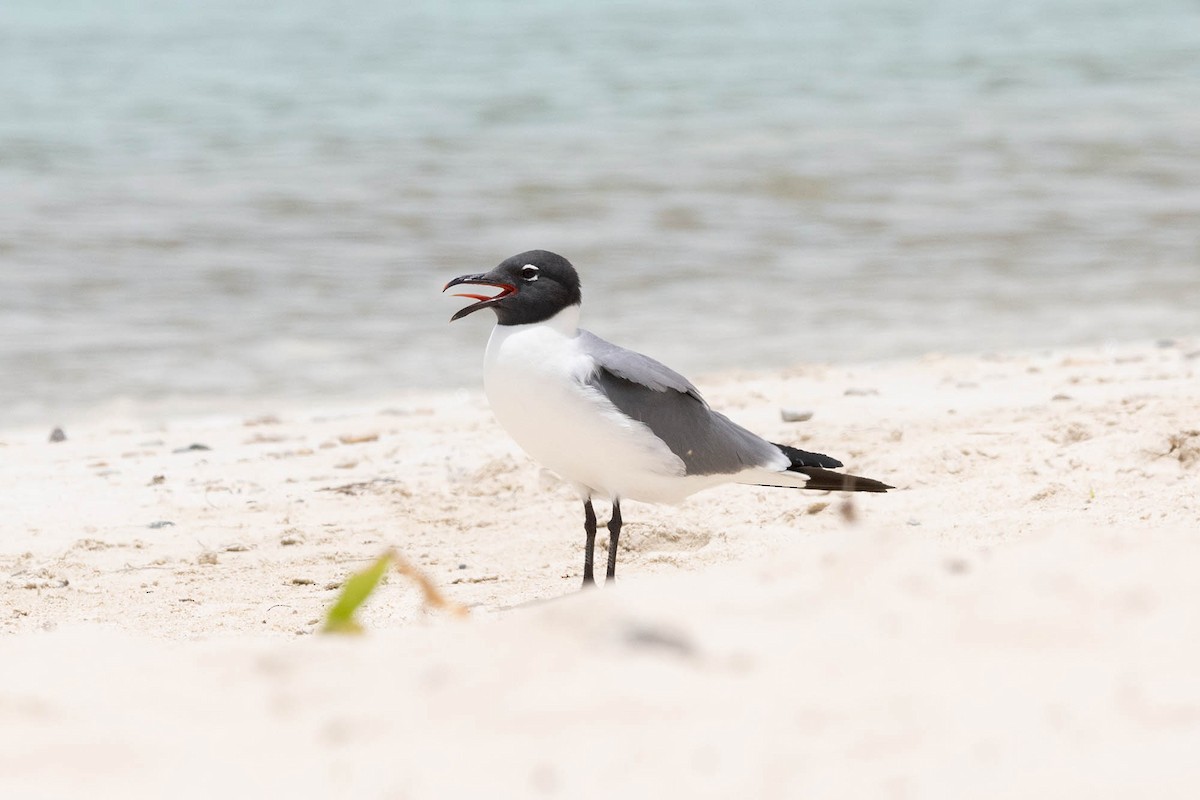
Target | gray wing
(708,443)
(636,367)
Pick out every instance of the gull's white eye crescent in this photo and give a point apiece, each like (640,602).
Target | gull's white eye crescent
(529,272)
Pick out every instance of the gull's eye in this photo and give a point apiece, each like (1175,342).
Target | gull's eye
(529,272)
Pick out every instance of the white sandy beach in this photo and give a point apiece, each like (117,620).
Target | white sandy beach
(1018,619)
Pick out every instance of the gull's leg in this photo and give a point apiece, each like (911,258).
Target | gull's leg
(589,527)
(614,533)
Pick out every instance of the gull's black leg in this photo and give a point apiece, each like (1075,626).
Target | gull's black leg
(614,533)
(589,527)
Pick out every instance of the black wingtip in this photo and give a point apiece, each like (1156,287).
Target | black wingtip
(803,458)
(826,480)
(817,466)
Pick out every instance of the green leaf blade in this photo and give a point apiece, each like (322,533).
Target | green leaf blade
(357,589)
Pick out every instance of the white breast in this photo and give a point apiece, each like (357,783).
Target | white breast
(536,376)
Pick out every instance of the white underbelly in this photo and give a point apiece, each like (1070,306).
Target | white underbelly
(536,387)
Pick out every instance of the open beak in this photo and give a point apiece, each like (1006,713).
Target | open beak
(483,300)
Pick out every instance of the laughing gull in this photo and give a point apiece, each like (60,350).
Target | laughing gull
(614,423)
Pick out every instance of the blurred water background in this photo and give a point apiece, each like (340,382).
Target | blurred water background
(205,204)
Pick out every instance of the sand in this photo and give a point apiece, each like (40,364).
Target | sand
(1018,619)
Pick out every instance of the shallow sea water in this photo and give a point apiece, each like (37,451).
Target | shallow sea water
(209,204)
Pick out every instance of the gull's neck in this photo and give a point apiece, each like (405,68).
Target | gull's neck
(565,322)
